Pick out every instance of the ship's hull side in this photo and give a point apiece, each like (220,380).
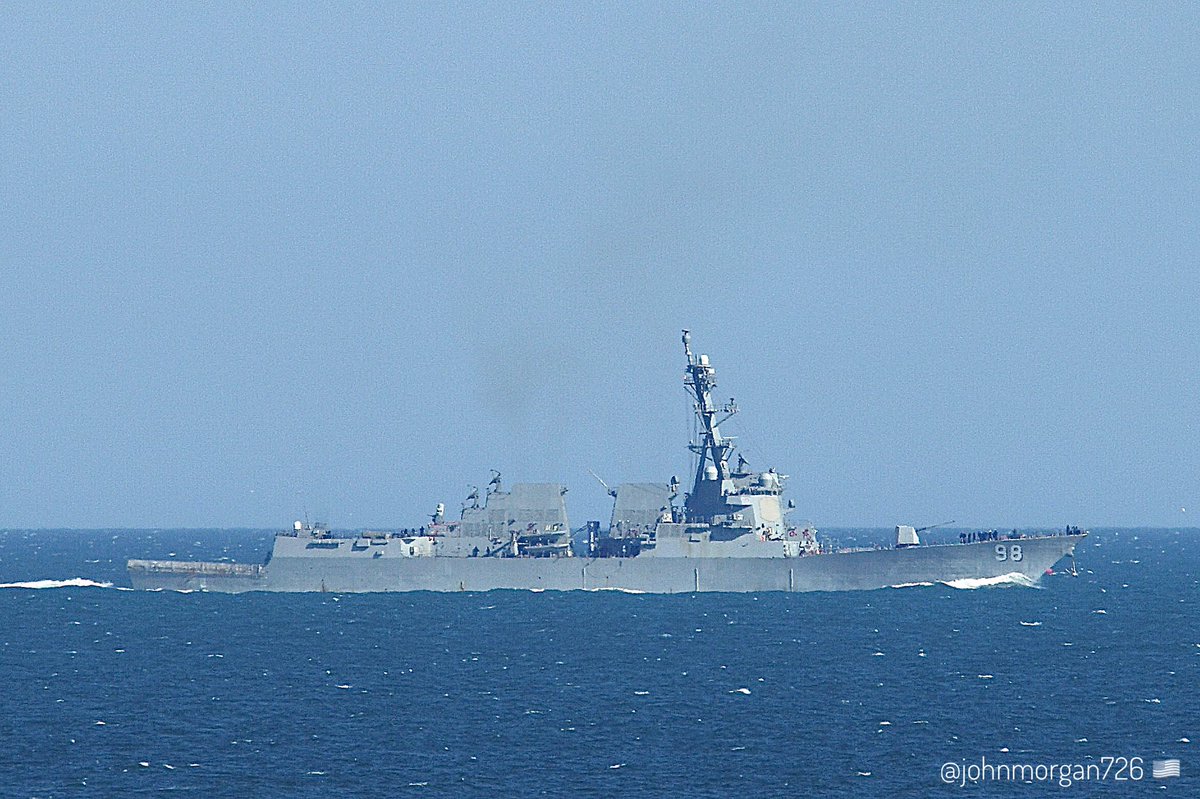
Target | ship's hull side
(841,571)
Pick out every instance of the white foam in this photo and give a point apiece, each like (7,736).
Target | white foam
(909,585)
(74,582)
(620,590)
(740,691)
(1012,578)
(1031,624)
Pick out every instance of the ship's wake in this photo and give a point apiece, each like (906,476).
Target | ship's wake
(74,582)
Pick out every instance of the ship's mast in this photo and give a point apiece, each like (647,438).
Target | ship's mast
(713,468)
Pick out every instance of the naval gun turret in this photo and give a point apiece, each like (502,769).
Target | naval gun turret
(906,535)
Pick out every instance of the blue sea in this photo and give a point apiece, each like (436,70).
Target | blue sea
(113,692)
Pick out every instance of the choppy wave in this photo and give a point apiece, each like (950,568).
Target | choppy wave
(74,582)
(1012,578)
(910,585)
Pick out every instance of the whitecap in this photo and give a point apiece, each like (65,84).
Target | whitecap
(617,765)
(1031,624)
(144,763)
(1102,612)
(986,676)
(1153,701)
(641,693)
(745,691)
(910,585)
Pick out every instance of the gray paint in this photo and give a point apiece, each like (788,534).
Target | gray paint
(343,571)
(729,534)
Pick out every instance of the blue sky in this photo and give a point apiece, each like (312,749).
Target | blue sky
(262,260)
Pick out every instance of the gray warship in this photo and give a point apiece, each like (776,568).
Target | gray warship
(730,533)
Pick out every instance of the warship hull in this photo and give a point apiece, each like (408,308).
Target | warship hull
(835,571)
(730,534)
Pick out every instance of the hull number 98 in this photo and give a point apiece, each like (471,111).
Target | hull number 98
(1009,552)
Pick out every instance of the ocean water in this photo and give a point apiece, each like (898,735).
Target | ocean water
(112,692)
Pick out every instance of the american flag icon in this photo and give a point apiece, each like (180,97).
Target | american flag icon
(1161,769)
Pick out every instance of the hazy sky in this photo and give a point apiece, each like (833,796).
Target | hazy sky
(257,260)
